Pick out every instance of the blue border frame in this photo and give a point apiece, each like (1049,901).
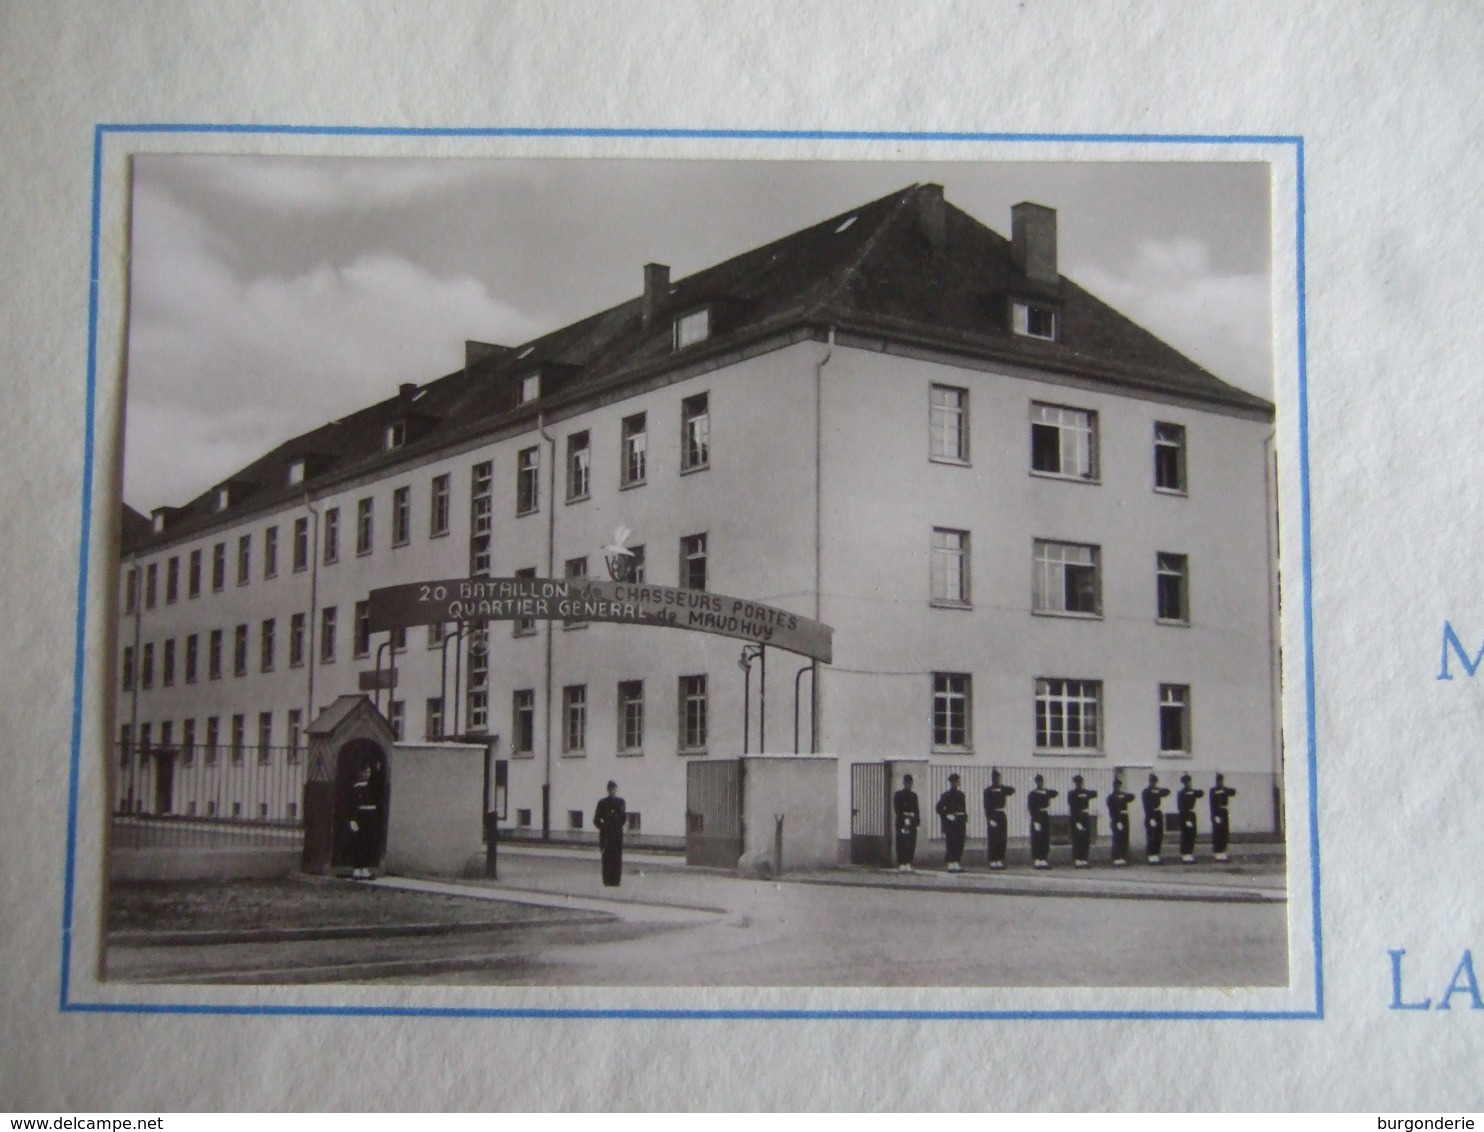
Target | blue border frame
(65,1001)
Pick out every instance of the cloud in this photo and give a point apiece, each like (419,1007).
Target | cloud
(222,368)
(1222,321)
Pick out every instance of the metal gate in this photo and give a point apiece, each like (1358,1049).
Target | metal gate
(713,813)
(870,803)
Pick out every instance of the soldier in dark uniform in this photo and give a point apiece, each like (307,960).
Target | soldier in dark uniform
(609,819)
(1118,803)
(904,806)
(1221,829)
(953,811)
(1079,803)
(365,823)
(1154,817)
(1186,800)
(1039,804)
(994,817)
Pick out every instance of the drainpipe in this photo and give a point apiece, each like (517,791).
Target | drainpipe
(550,624)
(818,535)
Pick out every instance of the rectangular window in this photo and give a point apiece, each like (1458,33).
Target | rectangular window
(634,820)
(634,564)
(1064,442)
(1067,715)
(952,702)
(397,716)
(950,567)
(528,481)
(528,388)
(1066,578)
(438,505)
(398,638)
(523,721)
(574,718)
(213,739)
(402,516)
(631,717)
(296,733)
(327,635)
(523,817)
(167,735)
(693,562)
(193,575)
(478,685)
(1033,320)
(436,634)
(1173,582)
(525,626)
(131,589)
(296,640)
(948,424)
(265,736)
(172,581)
(1174,719)
(433,718)
(395,435)
(1169,457)
(167,664)
(579,466)
(192,658)
(266,644)
(219,567)
(481,504)
(214,656)
(695,432)
(146,742)
(128,668)
(364,512)
(301,544)
(332,536)
(270,552)
(296,473)
(693,327)
(574,569)
(361,636)
(239,651)
(147,666)
(239,738)
(151,583)
(692,723)
(188,741)
(244,560)
(634,454)
(574,819)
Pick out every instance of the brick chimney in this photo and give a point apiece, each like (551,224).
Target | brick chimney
(932,215)
(656,291)
(1033,241)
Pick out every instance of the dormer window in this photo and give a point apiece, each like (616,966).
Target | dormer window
(158,521)
(396,435)
(1033,320)
(223,498)
(529,388)
(692,328)
(296,473)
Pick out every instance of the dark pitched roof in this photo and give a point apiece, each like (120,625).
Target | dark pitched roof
(908,267)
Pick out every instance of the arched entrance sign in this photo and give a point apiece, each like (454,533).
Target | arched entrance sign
(583,599)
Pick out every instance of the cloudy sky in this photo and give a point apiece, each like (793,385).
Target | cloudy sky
(270,294)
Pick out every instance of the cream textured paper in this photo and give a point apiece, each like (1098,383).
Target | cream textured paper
(1386,102)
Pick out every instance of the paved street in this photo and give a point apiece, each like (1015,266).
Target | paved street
(673,926)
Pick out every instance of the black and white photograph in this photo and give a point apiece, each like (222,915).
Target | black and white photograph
(597,572)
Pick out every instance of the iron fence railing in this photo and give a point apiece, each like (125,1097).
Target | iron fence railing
(230,795)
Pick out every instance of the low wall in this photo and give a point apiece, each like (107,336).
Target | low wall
(436,815)
(801,790)
(192,862)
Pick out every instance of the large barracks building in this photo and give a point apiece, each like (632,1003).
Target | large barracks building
(1044,541)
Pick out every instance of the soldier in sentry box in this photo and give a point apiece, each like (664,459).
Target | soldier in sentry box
(904,806)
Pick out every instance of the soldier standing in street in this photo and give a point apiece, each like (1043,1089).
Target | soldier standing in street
(1221,829)
(1079,802)
(609,820)
(1118,803)
(1186,800)
(1154,817)
(1038,802)
(994,817)
(953,811)
(904,806)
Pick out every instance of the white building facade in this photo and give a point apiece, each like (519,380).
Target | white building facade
(1044,541)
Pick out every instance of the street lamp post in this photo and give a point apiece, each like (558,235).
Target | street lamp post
(744,662)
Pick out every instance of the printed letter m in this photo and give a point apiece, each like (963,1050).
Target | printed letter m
(1450,640)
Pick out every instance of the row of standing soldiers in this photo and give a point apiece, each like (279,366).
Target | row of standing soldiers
(952,810)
